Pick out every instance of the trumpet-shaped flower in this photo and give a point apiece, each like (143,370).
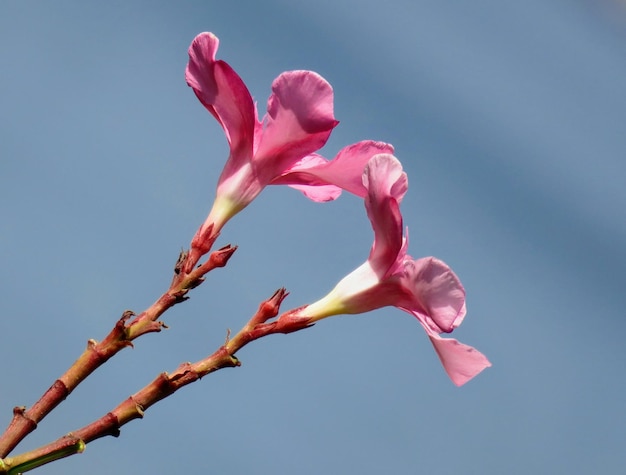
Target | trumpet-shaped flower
(277,150)
(426,288)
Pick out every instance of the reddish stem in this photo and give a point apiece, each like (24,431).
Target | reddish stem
(162,386)
(123,333)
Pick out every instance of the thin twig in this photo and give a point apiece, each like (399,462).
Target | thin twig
(128,328)
(162,386)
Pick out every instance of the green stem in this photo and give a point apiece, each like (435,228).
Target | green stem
(62,448)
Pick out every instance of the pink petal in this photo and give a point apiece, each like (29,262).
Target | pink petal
(461,362)
(384,177)
(319,194)
(223,93)
(386,184)
(299,121)
(438,296)
(314,191)
(344,171)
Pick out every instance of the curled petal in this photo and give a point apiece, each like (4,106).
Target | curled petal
(383,177)
(299,121)
(220,89)
(438,297)
(386,185)
(461,362)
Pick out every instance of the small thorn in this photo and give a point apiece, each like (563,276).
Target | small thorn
(182,257)
(180,295)
(127,315)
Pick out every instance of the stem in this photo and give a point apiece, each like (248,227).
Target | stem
(162,386)
(64,447)
(123,333)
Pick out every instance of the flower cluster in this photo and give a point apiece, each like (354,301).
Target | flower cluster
(281,149)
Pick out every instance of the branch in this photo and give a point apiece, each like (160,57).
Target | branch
(162,386)
(125,331)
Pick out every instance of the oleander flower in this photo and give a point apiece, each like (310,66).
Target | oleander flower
(277,150)
(426,288)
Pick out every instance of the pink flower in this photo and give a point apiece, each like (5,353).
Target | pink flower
(426,288)
(277,150)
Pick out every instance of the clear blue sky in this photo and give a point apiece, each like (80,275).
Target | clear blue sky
(509,118)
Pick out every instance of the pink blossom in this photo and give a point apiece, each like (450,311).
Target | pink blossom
(426,288)
(298,122)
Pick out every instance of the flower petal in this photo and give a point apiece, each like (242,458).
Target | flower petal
(438,297)
(312,188)
(344,171)
(386,185)
(461,362)
(319,193)
(220,89)
(299,121)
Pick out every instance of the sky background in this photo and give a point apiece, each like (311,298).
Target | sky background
(509,119)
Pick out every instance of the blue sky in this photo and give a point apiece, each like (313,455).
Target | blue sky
(507,116)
